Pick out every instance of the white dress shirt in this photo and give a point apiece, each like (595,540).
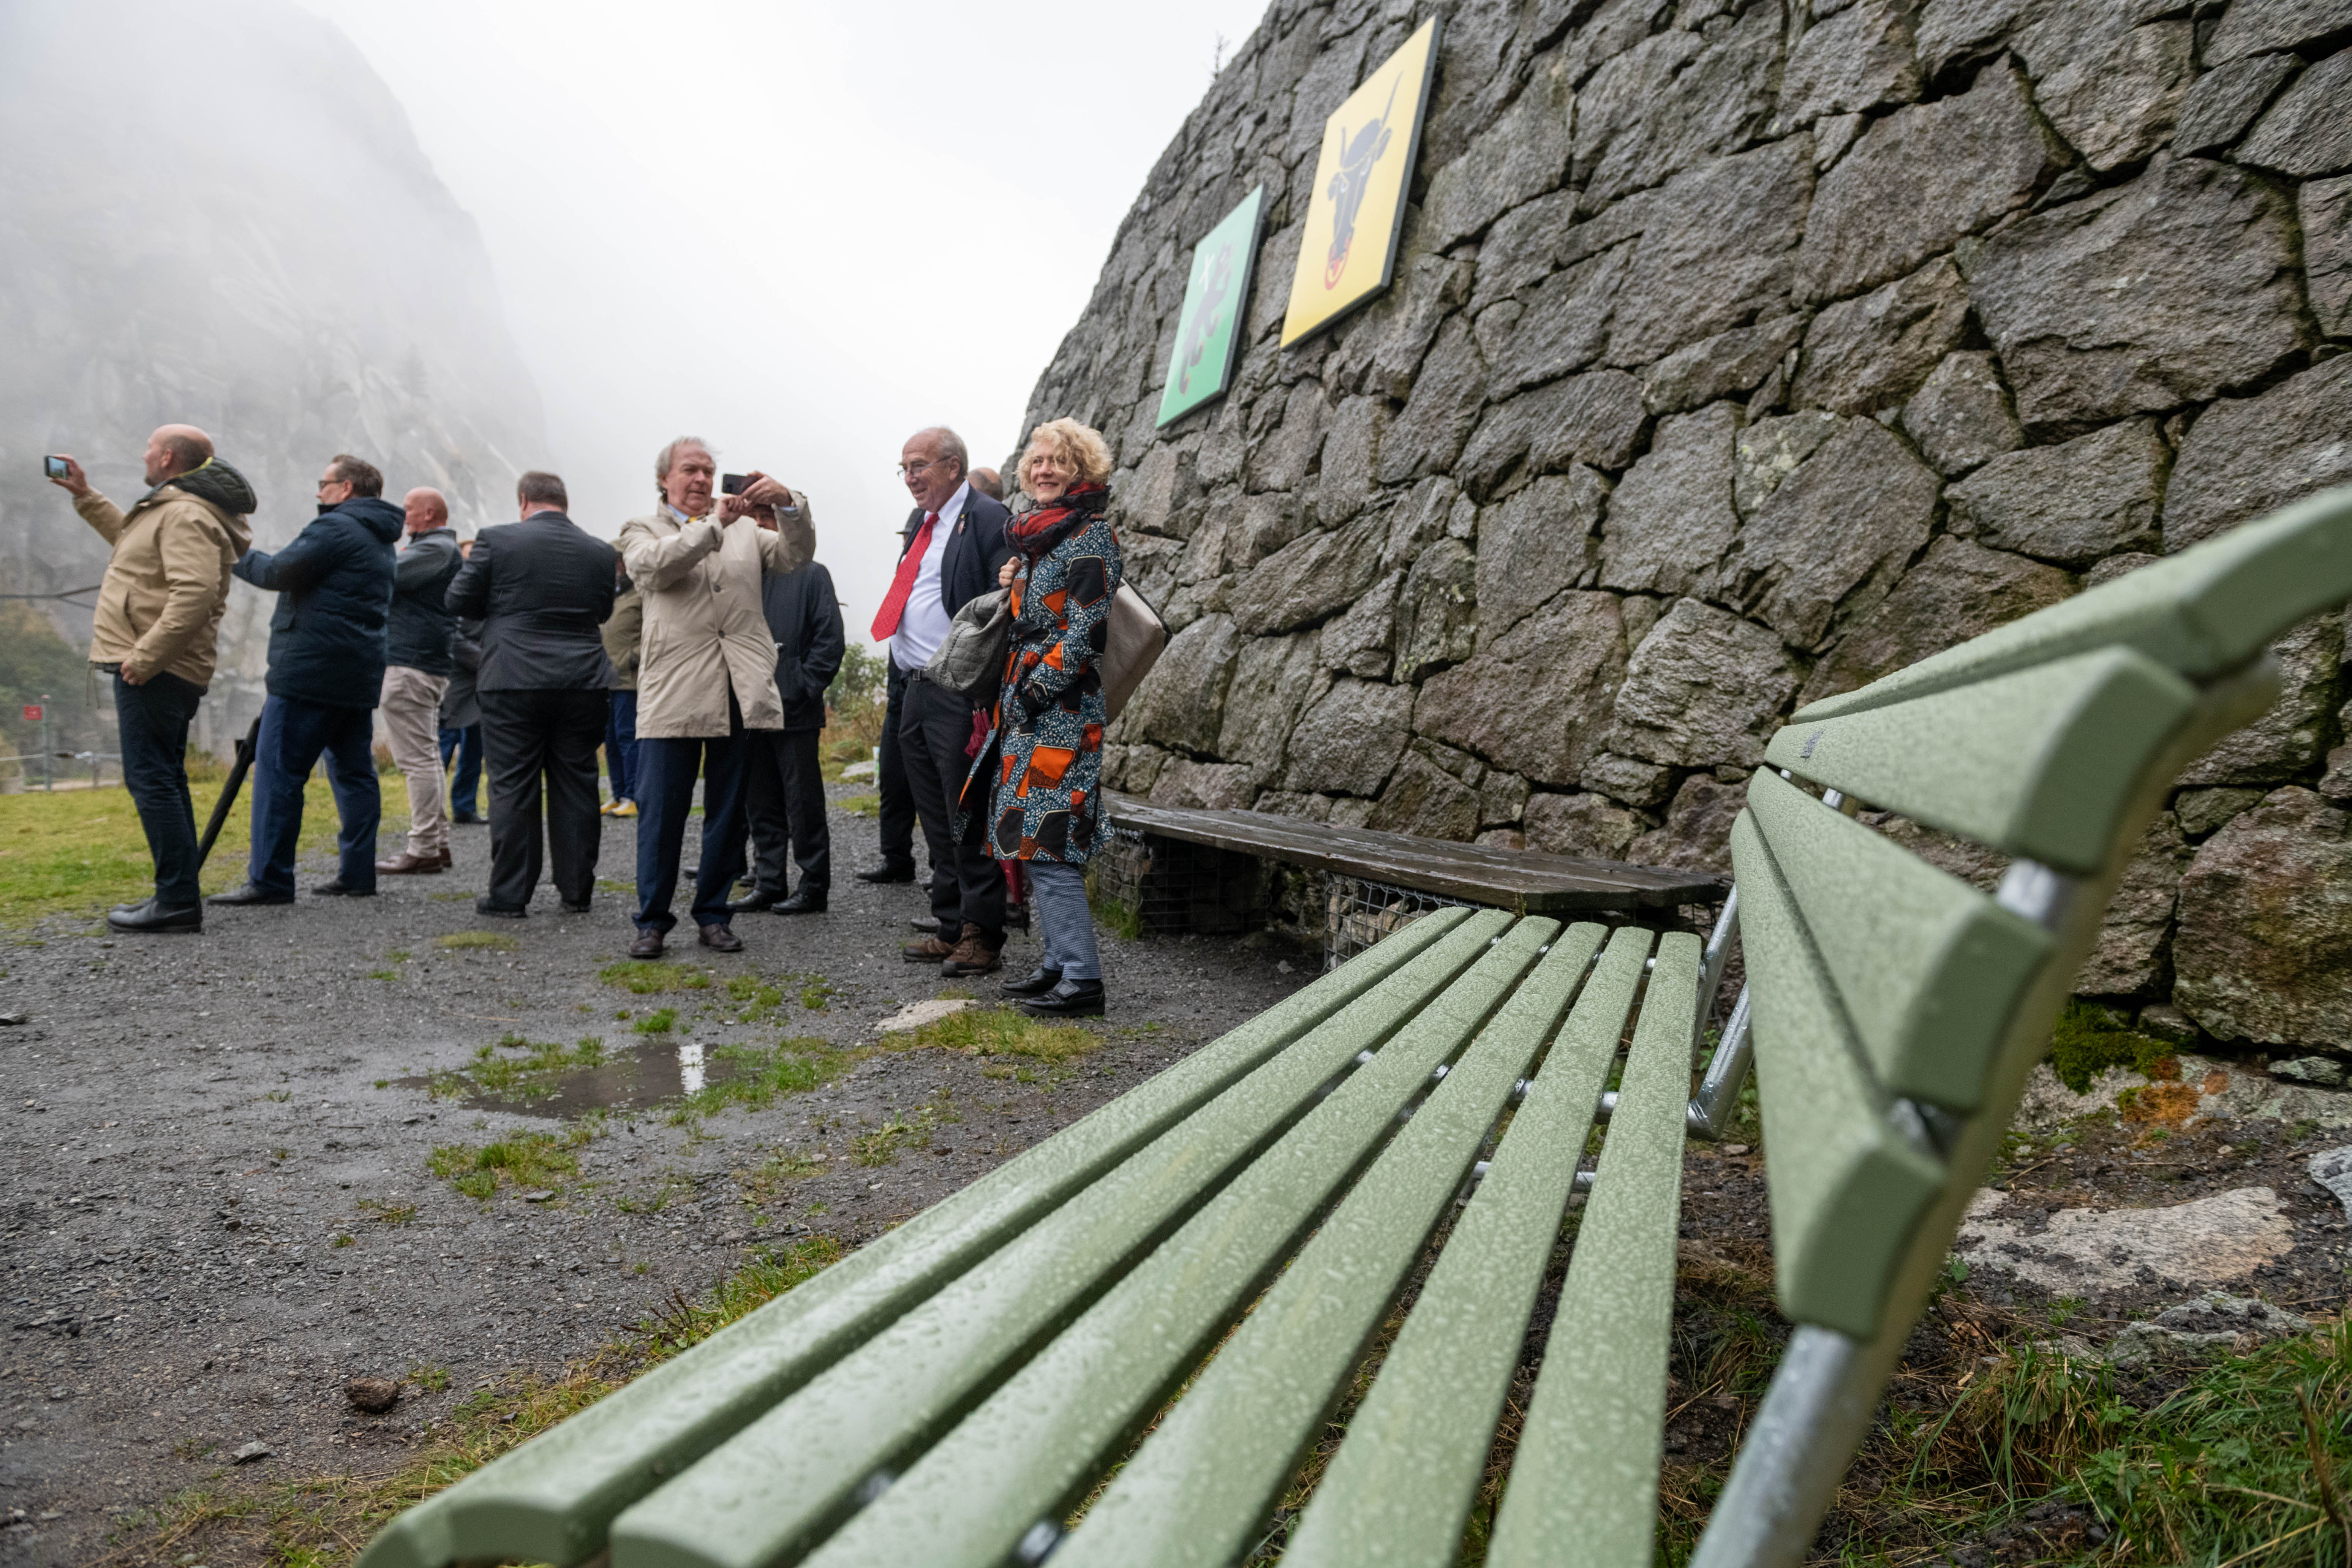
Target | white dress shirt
(923,625)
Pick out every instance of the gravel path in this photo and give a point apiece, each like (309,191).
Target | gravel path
(192,1123)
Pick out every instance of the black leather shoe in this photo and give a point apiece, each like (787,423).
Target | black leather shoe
(1039,981)
(470,821)
(249,894)
(808,900)
(762,899)
(721,939)
(579,908)
(889,873)
(1070,999)
(498,911)
(153,916)
(339,888)
(648,944)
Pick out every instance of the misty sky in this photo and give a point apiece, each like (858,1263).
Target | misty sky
(801,231)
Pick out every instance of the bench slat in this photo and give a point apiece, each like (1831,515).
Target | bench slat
(1203,1484)
(1033,1445)
(1587,1466)
(2040,764)
(1405,1477)
(1928,967)
(552,1498)
(2199,614)
(1846,1188)
(784,1481)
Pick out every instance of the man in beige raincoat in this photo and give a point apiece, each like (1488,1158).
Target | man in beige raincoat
(708,673)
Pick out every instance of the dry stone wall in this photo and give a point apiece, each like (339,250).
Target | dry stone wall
(1738,356)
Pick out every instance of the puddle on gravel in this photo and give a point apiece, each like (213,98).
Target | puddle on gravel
(635,1077)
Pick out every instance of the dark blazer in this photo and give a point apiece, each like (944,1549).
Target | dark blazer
(805,618)
(421,621)
(333,585)
(459,708)
(976,548)
(541,588)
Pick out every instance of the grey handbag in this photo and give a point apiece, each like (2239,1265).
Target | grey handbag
(1138,636)
(971,660)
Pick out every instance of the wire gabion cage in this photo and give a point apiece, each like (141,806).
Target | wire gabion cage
(1146,882)
(1359,911)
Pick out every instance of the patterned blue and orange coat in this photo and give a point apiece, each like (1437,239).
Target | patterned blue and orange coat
(1042,760)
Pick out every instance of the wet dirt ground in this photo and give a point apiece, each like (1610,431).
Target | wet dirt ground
(192,1122)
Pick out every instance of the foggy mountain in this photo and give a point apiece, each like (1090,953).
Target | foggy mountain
(219,215)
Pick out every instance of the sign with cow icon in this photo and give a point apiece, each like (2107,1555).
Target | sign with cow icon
(1216,302)
(1356,212)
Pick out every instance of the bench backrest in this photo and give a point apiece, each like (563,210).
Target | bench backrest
(1897,1010)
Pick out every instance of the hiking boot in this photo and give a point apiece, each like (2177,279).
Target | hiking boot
(981,952)
(931,949)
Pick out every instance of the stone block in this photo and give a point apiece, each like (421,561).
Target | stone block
(1381,349)
(2072,502)
(2308,130)
(1181,701)
(2246,457)
(2327,211)
(2223,102)
(1428,434)
(1572,651)
(2264,950)
(1522,248)
(1961,418)
(1705,687)
(2127,957)
(1436,614)
(1279,459)
(1597,420)
(1956,592)
(2213,302)
(2204,812)
(1673,101)
(1615,27)
(1873,352)
(1640,784)
(1736,360)
(1586,825)
(2258,26)
(1522,155)
(1158,499)
(1347,741)
(1718,251)
(1542,539)
(1859,59)
(1351,461)
(1423,800)
(1265,523)
(2297,730)
(1424,514)
(1564,325)
(1670,522)
(1206,787)
(1835,534)
(2118,97)
(1696,834)
(1309,579)
(1902,196)
(1274,678)
(1358,641)
(1770,449)
(1952,31)
(1501,798)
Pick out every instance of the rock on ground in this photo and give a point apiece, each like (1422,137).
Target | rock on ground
(2085,1251)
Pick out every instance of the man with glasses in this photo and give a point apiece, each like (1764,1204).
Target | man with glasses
(953,545)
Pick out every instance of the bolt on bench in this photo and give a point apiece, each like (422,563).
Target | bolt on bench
(1233,1232)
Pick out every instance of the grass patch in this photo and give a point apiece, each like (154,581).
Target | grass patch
(534,1160)
(532,1076)
(998,1032)
(759,1076)
(862,804)
(388,1213)
(2089,1039)
(496,941)
(381,975)
(645,977)
(881,1146)
(321,1519)
(660,1021)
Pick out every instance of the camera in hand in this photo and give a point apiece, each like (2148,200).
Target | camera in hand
(734,484)
(56,468)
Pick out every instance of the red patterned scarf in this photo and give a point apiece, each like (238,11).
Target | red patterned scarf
(1039,529)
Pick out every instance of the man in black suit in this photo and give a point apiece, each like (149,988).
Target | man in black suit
(783,789)
(541,588)
(953,545)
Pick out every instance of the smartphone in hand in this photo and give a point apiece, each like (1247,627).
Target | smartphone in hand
(56,468)
(734,484)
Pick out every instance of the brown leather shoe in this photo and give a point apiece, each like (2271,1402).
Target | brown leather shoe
(648,944)
(721,939)
(977,953)
(931,948)
(446,861)
(406,865)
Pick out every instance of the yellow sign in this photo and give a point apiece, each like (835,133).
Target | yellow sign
(1348,251)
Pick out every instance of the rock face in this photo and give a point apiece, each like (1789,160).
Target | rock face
(1739,354)
(189,256)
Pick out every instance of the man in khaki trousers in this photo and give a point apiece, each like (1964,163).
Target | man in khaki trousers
(419,663)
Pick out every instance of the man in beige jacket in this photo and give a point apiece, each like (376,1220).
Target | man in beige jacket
(159,613)
(707,673)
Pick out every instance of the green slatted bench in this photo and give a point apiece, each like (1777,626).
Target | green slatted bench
(1234,1232)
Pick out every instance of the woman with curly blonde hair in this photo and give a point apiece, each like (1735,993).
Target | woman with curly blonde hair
(1039,772)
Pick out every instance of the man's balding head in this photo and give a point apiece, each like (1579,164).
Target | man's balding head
(426,510)
(176,449)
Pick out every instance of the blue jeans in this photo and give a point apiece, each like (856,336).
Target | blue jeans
(1058,894)
(294,735)
(666,771)
(621,744)
(465,781)
(152,721)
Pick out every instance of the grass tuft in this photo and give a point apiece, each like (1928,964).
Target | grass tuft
(535,1160)
(998,1031)
(534,1075)
(496,941)
(757,1077)
(644,977)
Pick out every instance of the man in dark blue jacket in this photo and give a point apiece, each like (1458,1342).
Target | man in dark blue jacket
(326,668)
(785,788)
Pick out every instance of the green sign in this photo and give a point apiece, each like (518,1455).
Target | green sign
(1217,300)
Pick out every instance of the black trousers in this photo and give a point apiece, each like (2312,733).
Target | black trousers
(784,793)
(152,719)
(967,889)
(527,735)
(898,804)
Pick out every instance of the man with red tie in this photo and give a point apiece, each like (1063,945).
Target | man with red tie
(953,545)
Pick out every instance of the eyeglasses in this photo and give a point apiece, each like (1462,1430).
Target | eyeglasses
(917,471)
